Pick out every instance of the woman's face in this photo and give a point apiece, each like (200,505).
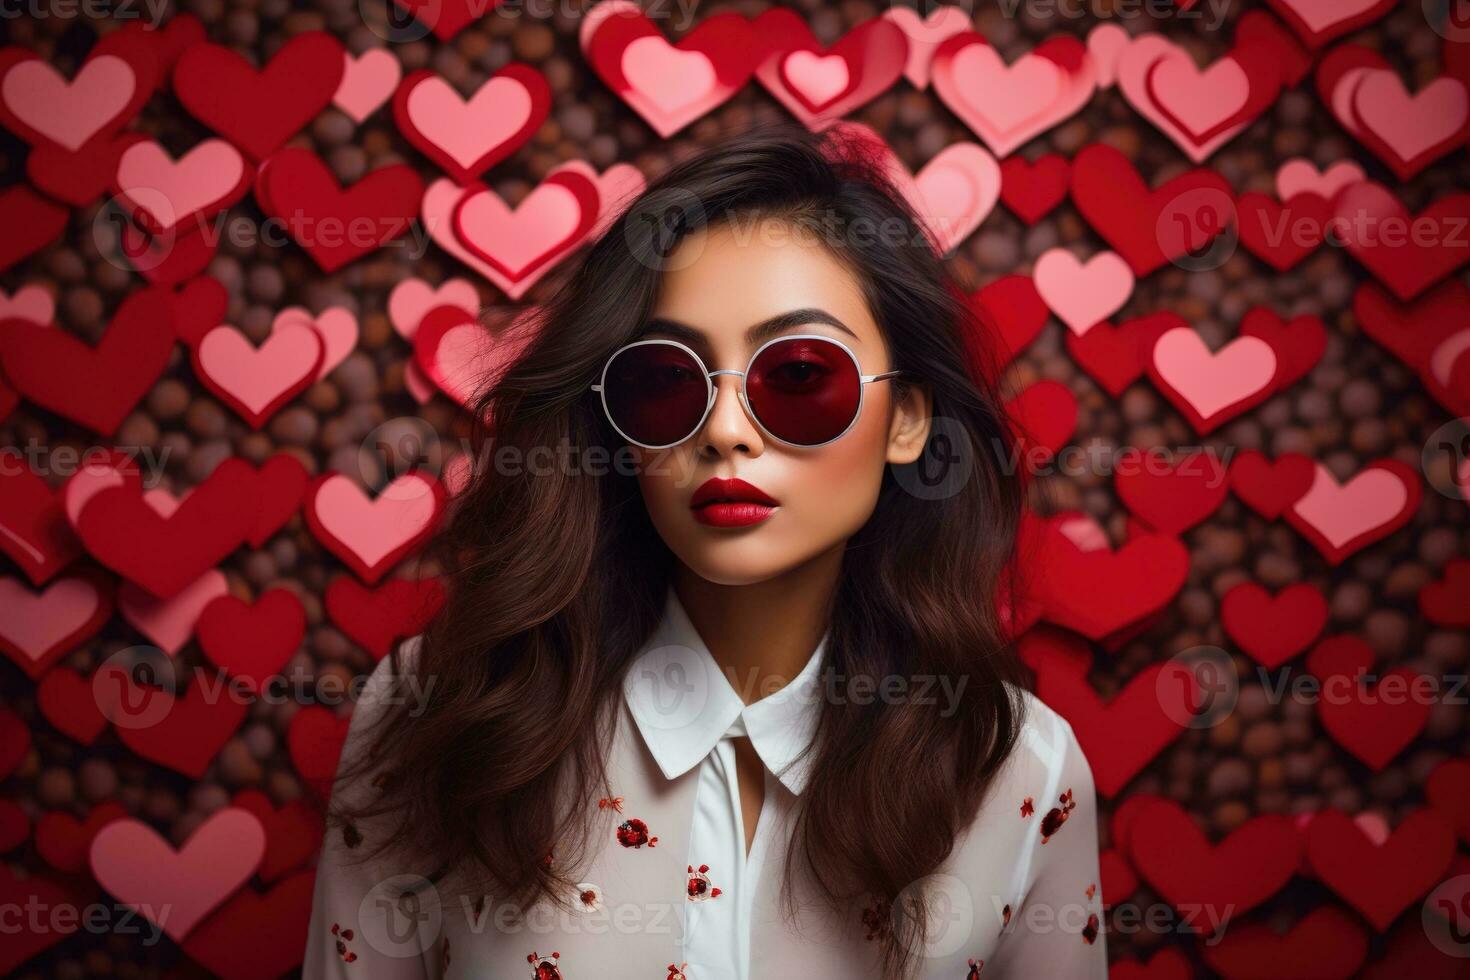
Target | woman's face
(721,286)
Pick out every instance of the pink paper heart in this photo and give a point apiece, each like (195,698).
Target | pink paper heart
(957,191)
(1341,512)
(33,622)
(336,326)
(176,889)
(1083,295)
(171,190)
(367,82)
(1134,67)
(163,503)
(1414,124)
(33,304)
(419,387)
(1106,44)
(466,129)
(69,113)
(372,528)
(1031,85)
(1301,176)
(818,78)
(90,479)
(925,35)
(1212,381)
(1199,99)
(169,623)
(670,79)
(259,377)
(412,298)
(617,187)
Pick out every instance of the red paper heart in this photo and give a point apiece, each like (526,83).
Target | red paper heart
(31,222)
(336,225)
(96,387)
(1171,497)
(1282,235)
(1298,345)
(66,700)
(252,642)
(182,733)
(1372,714)
(1326,944)
(19,945)
(257,382)
(165,554)
(1118,880)
(1406,252)
(33,529)
(280,485)
(169,259)
(1273,629)
(103,96)
(259,109)
(1208,882)
(446,18)
(256,935)
(1211,387)
(1034,190)
(1120,737)
(1319,21)
(1427,335)
(1043,417)
(1447,601)
(200,306)
(1015,311)
(293,833)
(315,740)
(1149,228)
(375,619)
(1115,355)
(63,841)
(1268,486)
(1101,591)
(78,177)
(1380,881)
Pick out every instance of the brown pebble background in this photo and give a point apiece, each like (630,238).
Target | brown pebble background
(1358,404)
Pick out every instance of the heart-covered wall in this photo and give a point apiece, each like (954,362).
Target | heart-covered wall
(243,246)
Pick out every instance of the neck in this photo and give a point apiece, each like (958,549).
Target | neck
(763,634)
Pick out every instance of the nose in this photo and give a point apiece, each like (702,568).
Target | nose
(729,430)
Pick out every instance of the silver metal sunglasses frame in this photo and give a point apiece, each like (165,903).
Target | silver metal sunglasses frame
(711,391)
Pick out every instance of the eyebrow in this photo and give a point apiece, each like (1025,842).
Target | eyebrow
(755,334)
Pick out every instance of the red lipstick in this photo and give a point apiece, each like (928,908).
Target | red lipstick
(730,503)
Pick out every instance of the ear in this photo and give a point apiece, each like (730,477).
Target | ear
(908,430)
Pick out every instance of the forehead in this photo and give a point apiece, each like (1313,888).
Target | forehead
(723,278)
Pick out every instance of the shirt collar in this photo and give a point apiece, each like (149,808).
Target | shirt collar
(683,703)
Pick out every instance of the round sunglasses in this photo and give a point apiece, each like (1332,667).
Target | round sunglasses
(801,389)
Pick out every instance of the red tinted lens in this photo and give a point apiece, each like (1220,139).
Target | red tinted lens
(655,393)
(804,391)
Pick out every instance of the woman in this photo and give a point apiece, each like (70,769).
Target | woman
(720,689)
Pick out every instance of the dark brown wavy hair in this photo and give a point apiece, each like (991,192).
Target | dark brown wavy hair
(555,579)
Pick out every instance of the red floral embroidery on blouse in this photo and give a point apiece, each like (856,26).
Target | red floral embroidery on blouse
(1091,890)
(677,972)
(1056,816)
(611,803)
(1089,931)
(701,888)
(1005,915)
(875,919)
(634,833)
(544,968)
(1027,807)
(975,966)
(344,936)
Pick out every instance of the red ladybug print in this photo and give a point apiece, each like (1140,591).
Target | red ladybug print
(614,803)
(344,936)
(975,966)
(1056,816)
(701,889)
(1089,931)
(1027,807)
(677,972)
(634,833)
(544,969)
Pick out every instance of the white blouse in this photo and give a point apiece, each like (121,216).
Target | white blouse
(1019,897)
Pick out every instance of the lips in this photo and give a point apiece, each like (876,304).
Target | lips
(731,503)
